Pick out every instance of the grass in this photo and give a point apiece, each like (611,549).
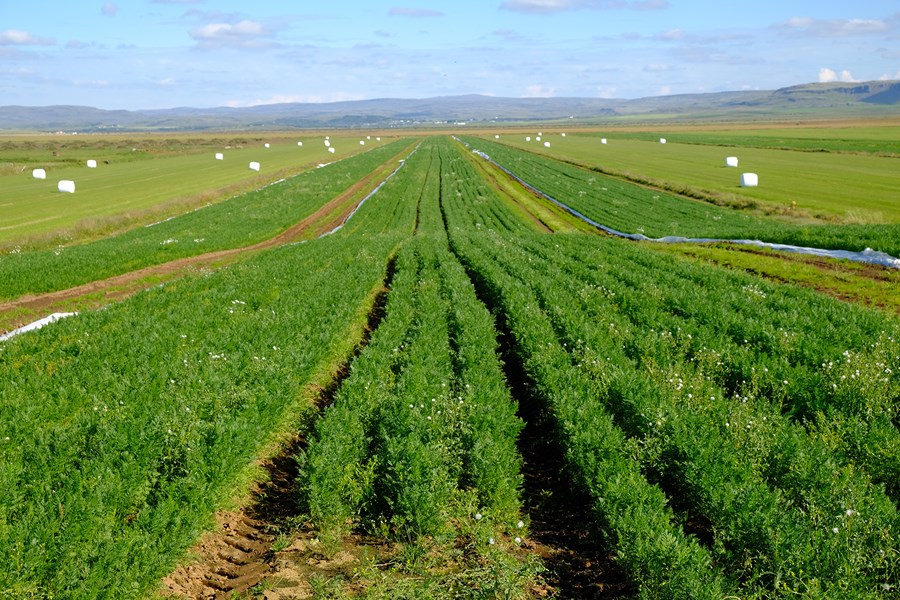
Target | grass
(173,176)
(846,280)
(846,188)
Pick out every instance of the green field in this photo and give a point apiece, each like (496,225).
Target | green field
(141,186)
(440,375)
(848,188)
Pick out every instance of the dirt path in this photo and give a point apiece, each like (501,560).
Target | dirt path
(24,309)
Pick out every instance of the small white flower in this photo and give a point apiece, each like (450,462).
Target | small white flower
(477,516)
(834,529)
(520,525)
(518,540)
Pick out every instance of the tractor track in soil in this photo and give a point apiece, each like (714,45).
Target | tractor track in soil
(17,312)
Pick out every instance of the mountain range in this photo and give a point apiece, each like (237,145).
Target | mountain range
(817,99)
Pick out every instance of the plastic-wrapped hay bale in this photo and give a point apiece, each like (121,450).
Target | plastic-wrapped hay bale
(92,164)
(66,185)
(299,143)
(749,180)
(546,144)
(563,134)
(39,174)
(362,142)
(331,149)
(602,140)
(527,138)
(378,139)
(220,156)
(368,137)
(731,161)
(496,137)
(538,138)
(662,140)
(267,144)
(254,166)
(327,143)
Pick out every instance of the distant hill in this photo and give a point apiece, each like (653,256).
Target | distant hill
(874,97)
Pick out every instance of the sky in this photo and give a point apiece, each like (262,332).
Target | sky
(146,54)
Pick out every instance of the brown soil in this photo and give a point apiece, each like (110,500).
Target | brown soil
(15,313)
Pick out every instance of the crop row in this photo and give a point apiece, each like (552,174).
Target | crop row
(716,441)
(631,208)
(239,221)
(124,429)
(424,415)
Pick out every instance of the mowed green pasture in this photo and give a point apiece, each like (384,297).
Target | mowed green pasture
(848,188)
(31,207)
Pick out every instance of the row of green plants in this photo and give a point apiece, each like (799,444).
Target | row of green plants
(424,416)
(239,221)
(784,503)
(631,208)
(123,430)
(766,413)
(419,444)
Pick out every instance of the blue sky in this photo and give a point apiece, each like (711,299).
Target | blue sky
(134,54)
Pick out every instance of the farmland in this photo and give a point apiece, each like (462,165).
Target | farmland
(723,434)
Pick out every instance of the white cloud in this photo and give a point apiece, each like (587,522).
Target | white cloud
(167,82)
(887,77)
(415,12)
(110,9)
(539,91)
(810,26)
(827,75)
(243,34)
(664,90)
(16,37)
(552,6)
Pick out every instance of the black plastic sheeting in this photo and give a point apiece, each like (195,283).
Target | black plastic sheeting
(866,256)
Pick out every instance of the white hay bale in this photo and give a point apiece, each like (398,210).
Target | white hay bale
(267,144)
(327,137)
(362,142)
(254,166)
(749,180)
(39,174)
(327,143)
(299,143)
(92,164)
(378,139)
(540,134)
(731,161)
(220,156)
(496,137)
(546,144)
(368,137)
(602,140)
(662,140)
(66,185)
(331,149)
(563,134)
(528,138)
(538,138)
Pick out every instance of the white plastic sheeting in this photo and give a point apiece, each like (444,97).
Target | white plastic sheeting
(749,180)
(36,325)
